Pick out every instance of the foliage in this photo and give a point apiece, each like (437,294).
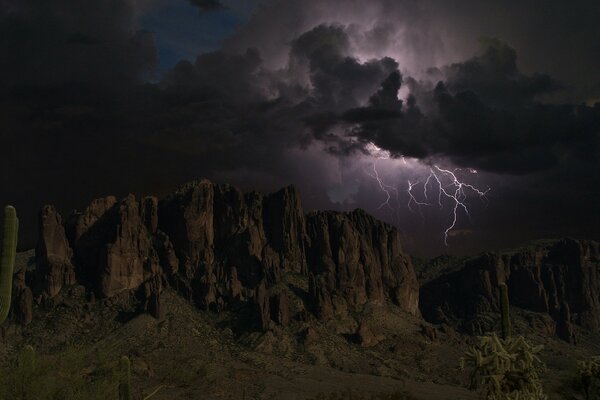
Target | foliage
(7,260)
(589,374)
(186,373)
(505,369)
(72,374)
(68,375)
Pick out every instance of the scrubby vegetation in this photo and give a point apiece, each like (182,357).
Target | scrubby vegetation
(589,374)
(348,395)
(507,368)
(64,376)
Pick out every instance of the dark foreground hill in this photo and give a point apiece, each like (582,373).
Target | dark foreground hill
(215,293)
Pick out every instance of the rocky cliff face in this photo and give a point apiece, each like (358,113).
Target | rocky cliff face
(219,246)
(560,278)
(222,248)
(355,259)
(54,255)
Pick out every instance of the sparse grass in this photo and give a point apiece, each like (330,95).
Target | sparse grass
(186,373)
(68,375)
(589,377)
(348,395)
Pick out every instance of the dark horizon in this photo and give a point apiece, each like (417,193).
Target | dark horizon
(118,98)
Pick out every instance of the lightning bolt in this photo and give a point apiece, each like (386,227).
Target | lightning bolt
(380,154)
(448,185)
(456,194)
(412,199)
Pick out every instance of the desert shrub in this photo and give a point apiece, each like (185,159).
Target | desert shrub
(186,373)
(589,376)
(68,375)
(505,369)
(348,395)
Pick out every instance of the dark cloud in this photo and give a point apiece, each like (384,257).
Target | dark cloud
(338,80)
(208,5)
(485,114)
(53,42)
(237,77)
(296,96)
(399,29)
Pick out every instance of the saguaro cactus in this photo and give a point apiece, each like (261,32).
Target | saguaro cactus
(125,379)
(504,310)
(7,259)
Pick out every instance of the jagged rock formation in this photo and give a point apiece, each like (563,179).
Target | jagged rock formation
(365,336)
(109,248)
(53,255)
(22,298)
(219,246)
(354,259)
(560,278)
(113,244)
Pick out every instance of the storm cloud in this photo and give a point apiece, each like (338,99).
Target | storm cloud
(69,41)
(208,5)
(298,94)
(482,113)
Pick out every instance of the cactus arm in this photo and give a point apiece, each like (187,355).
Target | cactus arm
(504,308)
(7,260)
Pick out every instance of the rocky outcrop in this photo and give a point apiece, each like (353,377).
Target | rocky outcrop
(280,309)
(187,218)
(560,278)
(116,247)
(113,245)
(263,306)
(219,246)
(227,241)
(53,255)
(355,259)
(286,229)
(22,297)
(365,336)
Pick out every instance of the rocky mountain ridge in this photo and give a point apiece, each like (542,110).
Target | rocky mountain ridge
(559,278)
(221,248)
(218,246)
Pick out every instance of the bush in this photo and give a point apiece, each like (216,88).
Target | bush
(64,376)
(505,369)
(589,375)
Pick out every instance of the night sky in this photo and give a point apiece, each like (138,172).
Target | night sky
(495,102)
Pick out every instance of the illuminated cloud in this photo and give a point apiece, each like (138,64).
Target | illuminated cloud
(311,93)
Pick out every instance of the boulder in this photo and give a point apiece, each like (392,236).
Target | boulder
(365,336)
